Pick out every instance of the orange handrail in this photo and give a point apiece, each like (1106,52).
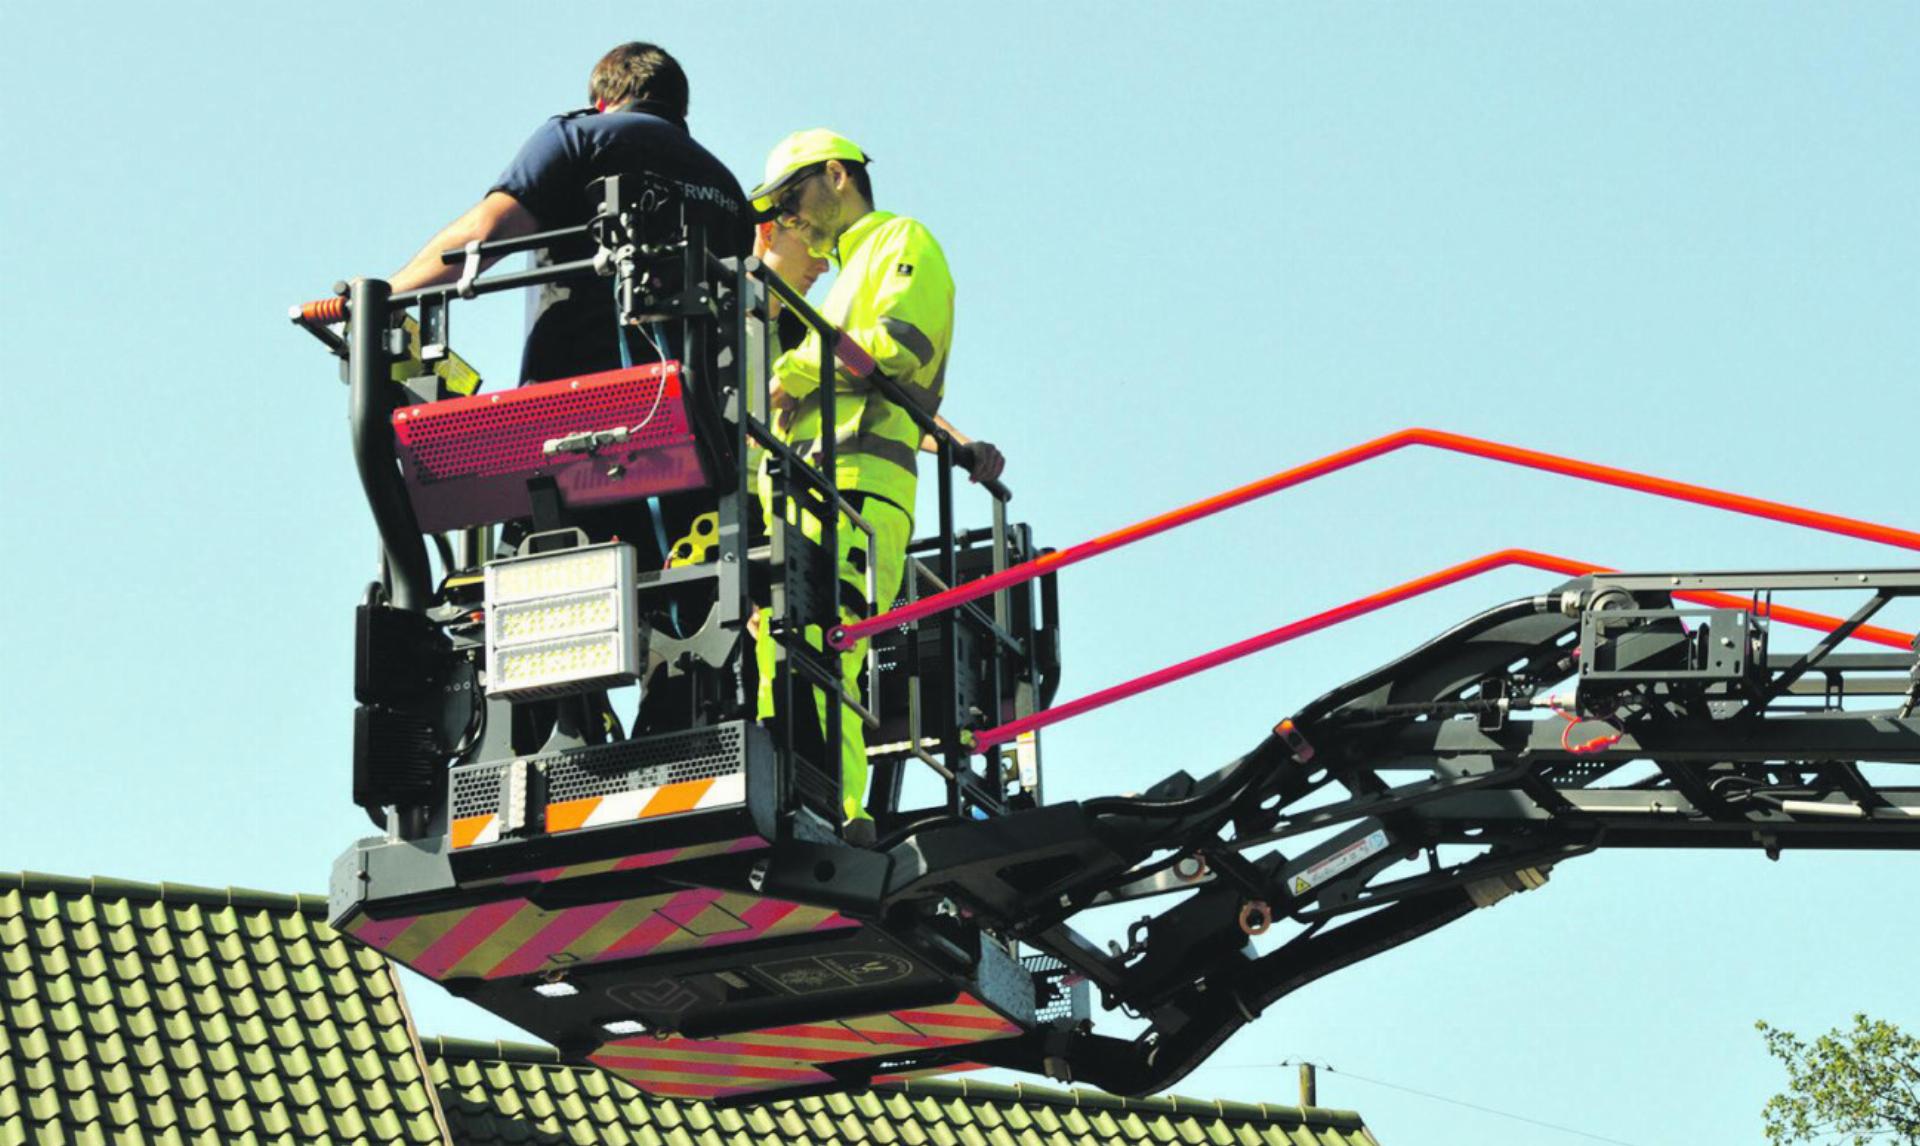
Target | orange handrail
(844,636)
(982,741)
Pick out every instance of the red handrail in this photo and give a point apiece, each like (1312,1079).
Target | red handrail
(844,636)
(1000,735)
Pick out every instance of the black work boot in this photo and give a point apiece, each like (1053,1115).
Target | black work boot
(858,832)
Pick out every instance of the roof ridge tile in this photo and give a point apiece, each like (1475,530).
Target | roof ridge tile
(305,904)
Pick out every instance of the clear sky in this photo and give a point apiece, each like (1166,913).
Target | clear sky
(1194,245)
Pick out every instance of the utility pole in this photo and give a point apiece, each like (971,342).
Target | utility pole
(1309,1089)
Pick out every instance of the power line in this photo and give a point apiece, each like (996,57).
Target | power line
(1439,1098)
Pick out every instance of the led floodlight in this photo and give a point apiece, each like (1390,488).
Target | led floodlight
(561,623)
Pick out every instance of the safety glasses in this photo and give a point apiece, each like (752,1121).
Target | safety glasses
(787,205)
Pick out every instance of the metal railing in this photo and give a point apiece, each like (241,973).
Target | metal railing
(838,351)
(959,596)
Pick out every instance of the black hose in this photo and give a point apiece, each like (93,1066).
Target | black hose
(900,833)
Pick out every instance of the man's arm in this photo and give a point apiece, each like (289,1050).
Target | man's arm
(498,216)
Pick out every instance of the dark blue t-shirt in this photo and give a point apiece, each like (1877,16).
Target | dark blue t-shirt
(572,328)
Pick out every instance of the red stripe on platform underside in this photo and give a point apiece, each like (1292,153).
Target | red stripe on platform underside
(687,906)
(723,1069)
(545,875)
(758,918)
(478,926)
(902,1040)
(834,1033)
(634,1052)
(571,925)
(694,1089)
(984,1022)
(645,936)
(382,932)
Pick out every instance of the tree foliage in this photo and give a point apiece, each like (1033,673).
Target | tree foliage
(1858,1086)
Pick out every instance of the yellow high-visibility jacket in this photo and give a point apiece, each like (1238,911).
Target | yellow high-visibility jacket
(894,296)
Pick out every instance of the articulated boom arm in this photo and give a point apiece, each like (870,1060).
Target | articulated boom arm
(1442,782)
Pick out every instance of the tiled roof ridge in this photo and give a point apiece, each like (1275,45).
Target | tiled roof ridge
(246,898)
(442,1046)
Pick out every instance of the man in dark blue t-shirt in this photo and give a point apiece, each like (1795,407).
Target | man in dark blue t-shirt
(637,125)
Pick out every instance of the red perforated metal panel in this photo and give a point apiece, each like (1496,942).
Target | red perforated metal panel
(467,460)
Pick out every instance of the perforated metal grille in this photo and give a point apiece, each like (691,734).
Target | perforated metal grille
(1063,1000)
(505,432)
(698,754)
(476,790)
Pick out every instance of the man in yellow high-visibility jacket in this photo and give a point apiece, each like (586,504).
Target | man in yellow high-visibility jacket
(893,296)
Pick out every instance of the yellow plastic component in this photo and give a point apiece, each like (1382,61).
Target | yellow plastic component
(455,372)
(694,548)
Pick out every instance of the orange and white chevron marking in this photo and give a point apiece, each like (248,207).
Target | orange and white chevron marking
(616,808)
(646,803)
(470,831)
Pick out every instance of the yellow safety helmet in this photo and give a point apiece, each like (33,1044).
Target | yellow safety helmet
(795,154)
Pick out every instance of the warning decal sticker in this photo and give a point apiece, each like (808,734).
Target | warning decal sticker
(1372,844)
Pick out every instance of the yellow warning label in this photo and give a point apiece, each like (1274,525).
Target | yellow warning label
(454,371)
(1301,886)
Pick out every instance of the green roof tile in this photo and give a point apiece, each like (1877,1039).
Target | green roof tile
(275,1120)
(54,959)
(143,1013)
(348,1123)
(84,1107)
(312,1124)
(124,1110)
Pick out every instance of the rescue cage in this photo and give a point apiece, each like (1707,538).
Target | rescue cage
(665,895)
(1444,781)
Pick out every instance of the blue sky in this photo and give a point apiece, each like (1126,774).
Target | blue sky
(1194,245)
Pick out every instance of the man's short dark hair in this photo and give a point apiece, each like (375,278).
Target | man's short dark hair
(862,182)
(643,73)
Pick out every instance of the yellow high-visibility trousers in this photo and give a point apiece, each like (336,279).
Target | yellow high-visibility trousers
(892,530)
